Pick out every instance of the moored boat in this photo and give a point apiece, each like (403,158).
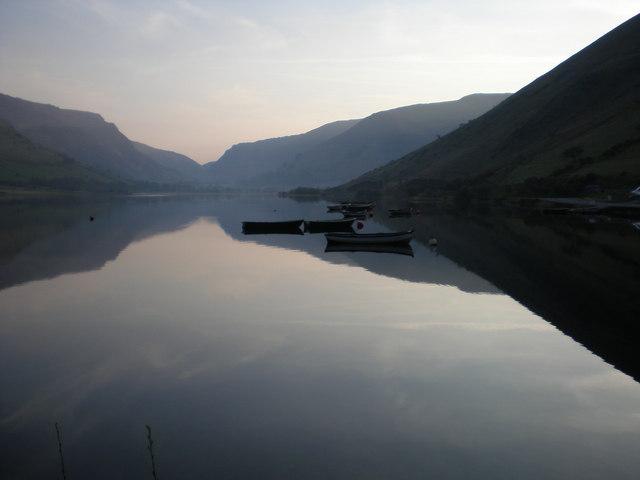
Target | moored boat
(334,208)
(351,207)
(285,227)
(358,207)
(371,238)
(355,215)
(322,226)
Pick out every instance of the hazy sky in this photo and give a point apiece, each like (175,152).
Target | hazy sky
(197,76)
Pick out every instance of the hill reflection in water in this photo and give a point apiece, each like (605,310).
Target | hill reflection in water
(582,276)
(267,353)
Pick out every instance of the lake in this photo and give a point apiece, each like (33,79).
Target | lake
(510,351)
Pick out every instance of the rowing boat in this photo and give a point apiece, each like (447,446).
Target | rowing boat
(351,207)
(357,208)
(371,238)
(286,227)
(359,204)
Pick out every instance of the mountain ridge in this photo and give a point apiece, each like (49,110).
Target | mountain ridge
(25,164)
(379,138)
(576,125)
(243,162)
(87,138)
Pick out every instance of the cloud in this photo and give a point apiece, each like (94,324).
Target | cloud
(105,10)
(158,24)
(189,8)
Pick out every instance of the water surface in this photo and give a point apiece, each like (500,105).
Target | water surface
(267,357)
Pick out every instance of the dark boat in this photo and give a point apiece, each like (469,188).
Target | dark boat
(355,215)
(398,249)
(371,238)
(359,204)
(354,208)
(291,227)
(322,226)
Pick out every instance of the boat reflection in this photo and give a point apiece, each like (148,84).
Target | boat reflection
(345,247)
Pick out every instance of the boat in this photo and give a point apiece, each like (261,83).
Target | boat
(322,226)
(358,207)
(355,216)
(291,227)
(344,203)
(399,249)
(360,204)
(371,238)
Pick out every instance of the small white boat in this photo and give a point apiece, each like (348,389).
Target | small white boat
(371,238)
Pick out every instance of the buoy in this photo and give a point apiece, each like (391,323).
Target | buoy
(91,219)
(359,225)
(433,242)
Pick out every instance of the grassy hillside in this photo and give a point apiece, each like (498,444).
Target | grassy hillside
(25,164)
(83,136)
(378,139)
(243,163)
(577,125)
(183,168)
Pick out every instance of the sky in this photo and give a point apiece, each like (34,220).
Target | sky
(198,76)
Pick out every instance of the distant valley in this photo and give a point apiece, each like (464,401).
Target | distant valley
(246,164)
(325,156)
(340,151)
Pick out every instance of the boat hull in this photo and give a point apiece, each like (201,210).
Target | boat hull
(398,238)
(291,227)
(356,209)
(351,207)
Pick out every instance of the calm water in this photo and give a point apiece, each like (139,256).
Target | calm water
(267,357)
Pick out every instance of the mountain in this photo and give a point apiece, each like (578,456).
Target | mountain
(243,163)
(85,137)
(378,139)
(577,125)
(184,168)
(25,164)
